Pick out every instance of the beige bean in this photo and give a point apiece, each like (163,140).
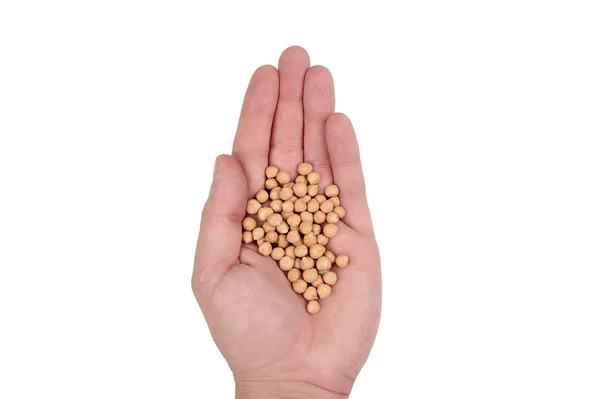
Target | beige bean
(332,217)
(309,239)
(300,189)
(306,216)
(313,189)
(294,275)
(312,206)
(301,179)
(320,217)
(310,275)
(299,206)
(324,291)
(294,220)
(290,252)
(287,206)
(326,206)
(274,219)
(317,282)
(310,293)
(301,250)
(313,307)
(286,193)
(258,233)
(316,251)
(330,230)
(271,237)
(323,263)
(342,261)
(262,196)
(330,278)
(265,248)
(283,242)
(313,177)
(321,239)
(332,190)
(286,263)
(283,227)
(248,223)
(263,213)
(271,171)
(271,184)
(299,286)
(277,253)
(274,194)
(305,227)
(307,263)
(247,237)
(320,198)
(335,201)
(340,211)
(305,168)
(252,207)
(283,177)
(276,205)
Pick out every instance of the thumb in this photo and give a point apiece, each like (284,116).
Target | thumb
(220,235)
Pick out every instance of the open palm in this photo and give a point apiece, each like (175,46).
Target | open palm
(259,324)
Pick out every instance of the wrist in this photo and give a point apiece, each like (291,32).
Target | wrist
(284,389)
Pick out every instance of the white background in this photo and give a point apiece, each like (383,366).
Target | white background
(479,127)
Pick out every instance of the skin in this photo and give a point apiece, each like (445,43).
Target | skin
(272,345)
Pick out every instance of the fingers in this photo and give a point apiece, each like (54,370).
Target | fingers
(220,237)
(319,103)
(347,172)
(251,143)
(286,140)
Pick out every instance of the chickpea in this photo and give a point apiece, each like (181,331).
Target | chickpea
(252,206)
(287,206)
(313,189)
(330,255)
(288,185)
(271,237)
(301,179)
(248,223)
(286,215)
(263,213)
(294,220)
(276,205)
(300,189)
(258,233)
(342,261)
(323,263)
(262,196)
(297,263)
(294,275)
(283,242)
(247,237)
(317,282)
(275,219)
(283,177)
(309,239)
(283,227)
(324,291)
(326,206)
(290,252)
(286,193)
(271,184)
(260,241)
(332,190)
(277,253)
(320,198)
(307,263)
(286,263)
(305,168)
(336,201)
(301,250)
(312,206)
(274,194)
(299,286)
(268,228)
(330,230)
(313,307)
(319,217)
(330,278)
(316,251)
(305,227)
(299,206)
(310,275)
(306,216)
(313,177)
(340,211)
(332,217)
(316,229)
(321,239)
(310,293)
(271,171)
(265,248)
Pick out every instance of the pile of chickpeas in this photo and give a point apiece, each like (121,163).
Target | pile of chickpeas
(292,223)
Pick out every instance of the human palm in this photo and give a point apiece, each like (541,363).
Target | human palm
(273,346)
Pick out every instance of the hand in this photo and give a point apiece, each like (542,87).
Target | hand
(273,346)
